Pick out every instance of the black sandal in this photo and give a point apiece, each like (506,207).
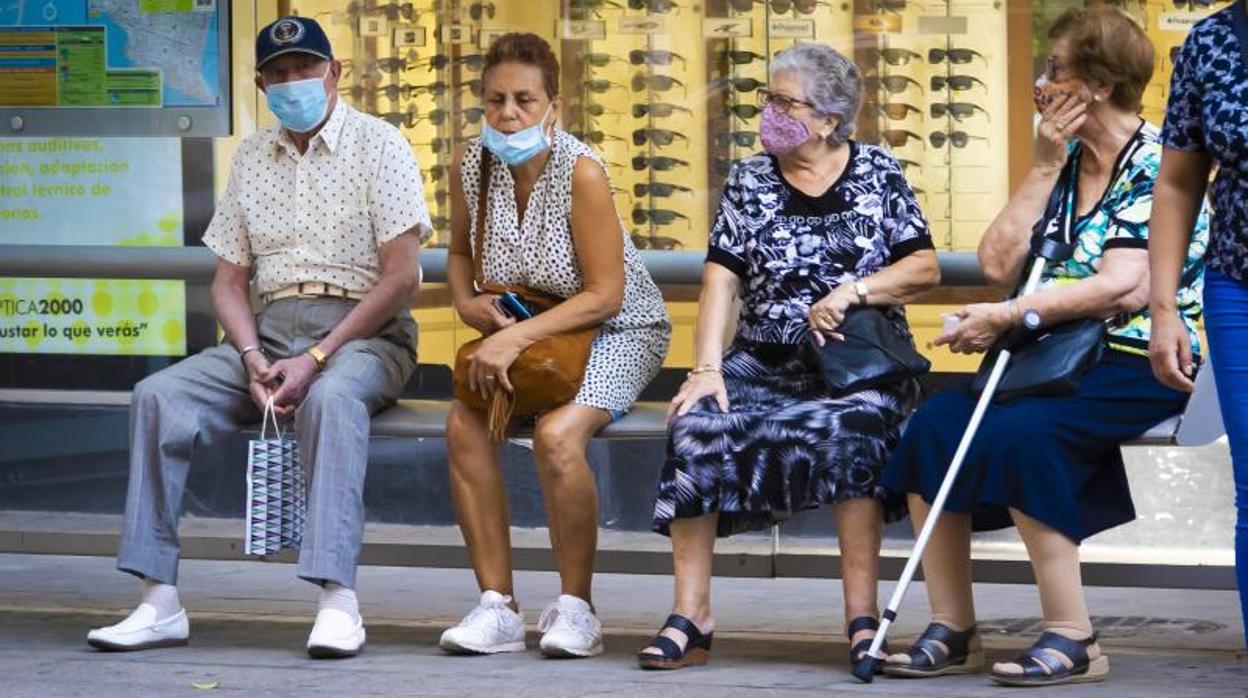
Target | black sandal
(928,659)
(697,649)
(856,652)
(1043,668)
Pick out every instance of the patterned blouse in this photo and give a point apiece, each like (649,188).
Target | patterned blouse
(1120,220)
(791,249)
(1207,112)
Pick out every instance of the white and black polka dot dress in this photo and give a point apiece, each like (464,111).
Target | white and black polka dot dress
(538,252)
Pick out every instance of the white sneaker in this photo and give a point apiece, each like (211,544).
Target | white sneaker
(490,628)
(335,635)
(142,631)
(570,629)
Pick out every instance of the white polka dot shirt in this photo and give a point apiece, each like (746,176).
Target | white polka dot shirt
(319,216)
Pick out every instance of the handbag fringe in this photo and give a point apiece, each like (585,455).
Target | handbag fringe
(502,404)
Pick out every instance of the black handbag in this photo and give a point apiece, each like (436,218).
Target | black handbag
(1051,361)
(876,352)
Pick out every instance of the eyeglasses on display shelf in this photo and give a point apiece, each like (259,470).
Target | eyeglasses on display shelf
(658,216)
(660,110)
(958,139)
(893,110)
(958,110)
(655,242)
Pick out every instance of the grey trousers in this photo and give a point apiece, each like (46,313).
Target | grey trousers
(204,398)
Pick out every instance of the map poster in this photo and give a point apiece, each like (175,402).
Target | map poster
(91,191)
(102,53)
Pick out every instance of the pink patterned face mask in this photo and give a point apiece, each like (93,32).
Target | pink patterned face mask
(780,132)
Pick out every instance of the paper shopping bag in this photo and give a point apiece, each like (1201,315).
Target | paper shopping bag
(276,491)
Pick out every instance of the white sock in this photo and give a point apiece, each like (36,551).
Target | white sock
(340,598)
(162,597)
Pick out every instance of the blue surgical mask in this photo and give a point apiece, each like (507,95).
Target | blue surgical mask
(519,147)
(299,104)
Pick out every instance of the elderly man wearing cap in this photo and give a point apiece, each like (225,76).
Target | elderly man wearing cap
(324,214)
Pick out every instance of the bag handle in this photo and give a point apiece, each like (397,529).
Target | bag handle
(269,415)
(483,189)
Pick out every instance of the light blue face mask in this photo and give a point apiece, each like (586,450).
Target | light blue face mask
(299,104)
(519,147)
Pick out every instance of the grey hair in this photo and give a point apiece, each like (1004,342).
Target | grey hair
(831,82)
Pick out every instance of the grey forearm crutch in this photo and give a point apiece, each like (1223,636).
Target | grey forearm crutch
(864,668)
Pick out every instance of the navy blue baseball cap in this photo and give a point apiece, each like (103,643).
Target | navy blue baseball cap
(291,35)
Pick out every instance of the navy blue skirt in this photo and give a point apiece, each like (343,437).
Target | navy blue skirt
(1056,459)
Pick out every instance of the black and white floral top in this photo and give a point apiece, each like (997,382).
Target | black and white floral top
(791,249)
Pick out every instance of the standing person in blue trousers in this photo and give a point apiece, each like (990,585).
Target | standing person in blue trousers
(1207,124)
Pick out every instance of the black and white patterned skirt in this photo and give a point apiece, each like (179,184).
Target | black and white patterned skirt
(784,445)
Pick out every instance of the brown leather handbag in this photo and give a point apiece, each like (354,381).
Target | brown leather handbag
(545,375)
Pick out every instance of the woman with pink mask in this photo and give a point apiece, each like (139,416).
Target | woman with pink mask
(1051,465)
(806,231)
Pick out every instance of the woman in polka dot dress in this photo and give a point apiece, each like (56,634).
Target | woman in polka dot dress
(550,224)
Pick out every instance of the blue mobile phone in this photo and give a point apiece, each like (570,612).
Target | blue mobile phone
(513,307)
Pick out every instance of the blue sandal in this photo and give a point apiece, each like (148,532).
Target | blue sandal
(1044,668)
(927,658)
(697,650)
(856,652)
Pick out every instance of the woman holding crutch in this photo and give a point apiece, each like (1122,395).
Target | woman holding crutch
(1051,465)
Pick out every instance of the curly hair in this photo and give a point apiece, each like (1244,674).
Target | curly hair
(831,82)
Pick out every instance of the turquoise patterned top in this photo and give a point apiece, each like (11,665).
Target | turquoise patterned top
(1120,219)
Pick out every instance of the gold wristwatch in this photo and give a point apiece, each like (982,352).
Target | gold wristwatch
(318,356)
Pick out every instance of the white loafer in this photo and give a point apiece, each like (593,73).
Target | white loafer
(141,631)
(335,635)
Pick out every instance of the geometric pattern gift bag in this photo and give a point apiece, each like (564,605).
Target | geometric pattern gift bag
(276,491)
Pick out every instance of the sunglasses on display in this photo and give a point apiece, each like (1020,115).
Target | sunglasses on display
(894,56)
(742,111)
(660,189)
(887,5)
(958,83)
(438,172)
(780,7)
(898,138)
(959,139)
(440,144)
(655,6)
(958,56)
(737,57)
(660,83)
(658,162)
(577,111)
(437,89)
(907,163)
(745,139)
(440,196)
(658,136)
(393,11)
(599,60)
(595,5)
(893,83)
(654,242)
(393,92)
(658,109)
(399,119)
(437,117)
(440,222)
(1201,4)
(595,137)
(479,9)
(473,61)
(390,65)
(893,110)
(657,216)
(744,84)
(958,110)
(600,85)
(653,57)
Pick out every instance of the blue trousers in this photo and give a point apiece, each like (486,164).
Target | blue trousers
(1226,323)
